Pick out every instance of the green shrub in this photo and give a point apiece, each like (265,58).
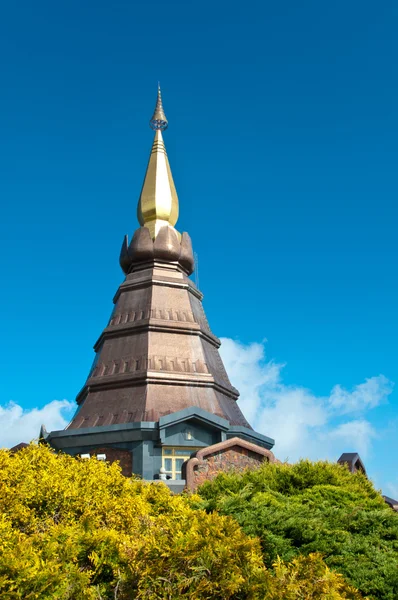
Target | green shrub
(314,508)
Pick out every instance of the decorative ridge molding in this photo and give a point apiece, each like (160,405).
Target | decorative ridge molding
(154,377)
(131,328)
(143,283)
(149,363)
(235,441)
(164,314)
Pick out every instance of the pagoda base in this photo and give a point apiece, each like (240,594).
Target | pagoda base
(144,448)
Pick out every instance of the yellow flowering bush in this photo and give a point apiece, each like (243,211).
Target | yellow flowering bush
(77,529)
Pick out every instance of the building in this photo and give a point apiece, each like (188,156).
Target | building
(353,462)
(158,390)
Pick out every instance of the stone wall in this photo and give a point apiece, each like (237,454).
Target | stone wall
(113,454)
(234,455)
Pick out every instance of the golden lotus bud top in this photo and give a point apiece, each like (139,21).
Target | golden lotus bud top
(158,203)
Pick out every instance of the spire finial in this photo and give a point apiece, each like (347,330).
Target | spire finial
(158,203)
(159,121)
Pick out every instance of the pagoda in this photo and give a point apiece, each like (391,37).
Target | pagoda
(157,390)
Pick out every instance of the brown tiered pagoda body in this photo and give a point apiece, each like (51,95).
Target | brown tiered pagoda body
(157,355)
(158,389)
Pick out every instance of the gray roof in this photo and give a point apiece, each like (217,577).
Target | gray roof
(353,460)
(393,503)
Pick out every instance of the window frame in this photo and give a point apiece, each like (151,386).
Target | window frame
(175,453)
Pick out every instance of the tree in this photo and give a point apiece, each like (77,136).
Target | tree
(314,508)
(76,529)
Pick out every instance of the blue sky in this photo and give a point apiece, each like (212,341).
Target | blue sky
(282,142)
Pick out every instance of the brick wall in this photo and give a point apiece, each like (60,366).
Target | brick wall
(232,459)
(112,454)
(234,455)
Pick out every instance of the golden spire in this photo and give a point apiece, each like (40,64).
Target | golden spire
(159,120)
(158,203)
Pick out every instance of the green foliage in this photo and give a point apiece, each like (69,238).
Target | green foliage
(314,508)
(78,530)
(74,529)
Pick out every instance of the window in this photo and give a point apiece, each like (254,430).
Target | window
(173,459)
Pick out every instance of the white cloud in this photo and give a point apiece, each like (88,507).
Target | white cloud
(251,373)
(360,432)
(365,395)
(19,425)
(303,424)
